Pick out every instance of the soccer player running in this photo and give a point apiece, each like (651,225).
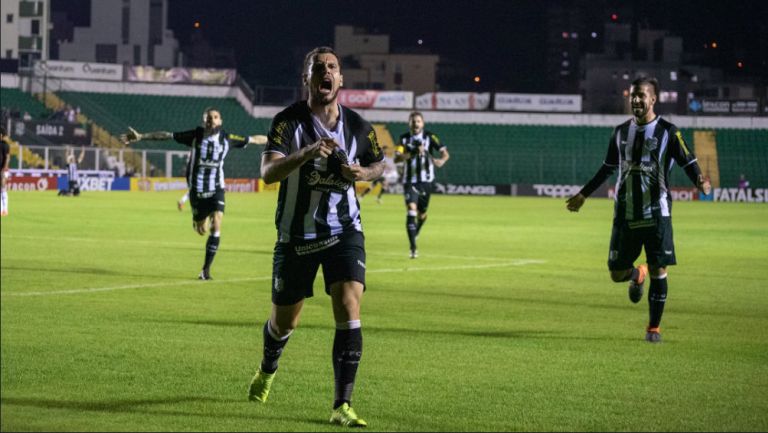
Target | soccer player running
(317,149)
(643,150)
(416,150)
(209,146)
(5,160)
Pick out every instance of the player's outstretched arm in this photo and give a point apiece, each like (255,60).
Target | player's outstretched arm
(257,139)
(576,202)
(133,135)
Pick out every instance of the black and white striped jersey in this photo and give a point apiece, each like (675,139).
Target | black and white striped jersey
(205,169)
(644,155)
(315,201)
(419,168)
(72,171)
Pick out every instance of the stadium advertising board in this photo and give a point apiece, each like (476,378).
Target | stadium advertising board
(53,132)
(748,195)
(223,77)
(32,183)
(241,185)
(79,70)
(677,193)
(97,181)
(537,102)
(375,99)
(553,190)
(453,101)
(461,189)
(158,184)
(724,106)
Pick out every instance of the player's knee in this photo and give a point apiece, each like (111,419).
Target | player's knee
(619,276)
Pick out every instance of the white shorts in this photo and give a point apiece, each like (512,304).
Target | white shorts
(391,177)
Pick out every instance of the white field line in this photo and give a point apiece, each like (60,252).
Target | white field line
(518,262)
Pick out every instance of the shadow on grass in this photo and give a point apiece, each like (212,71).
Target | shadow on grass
(461,332)
(228,249)
(144,406)
(88,271)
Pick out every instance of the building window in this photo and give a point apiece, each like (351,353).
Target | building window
(155,22)
(106,53)
(35,27)
(137,54)
(8,54)
(125,22)
(9,18)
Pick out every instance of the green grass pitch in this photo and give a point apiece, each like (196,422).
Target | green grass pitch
(507,322)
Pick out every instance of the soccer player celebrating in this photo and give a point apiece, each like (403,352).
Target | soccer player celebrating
(317,149)
(415,151)
(643,150)
(205,176)
(73,186)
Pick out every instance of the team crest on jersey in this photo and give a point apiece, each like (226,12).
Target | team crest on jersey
(651,144)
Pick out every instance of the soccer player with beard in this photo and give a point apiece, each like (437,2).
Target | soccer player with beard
(415,152)
(643,149)
(317,149)
(205,173)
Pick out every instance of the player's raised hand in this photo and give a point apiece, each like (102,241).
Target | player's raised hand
(258,139)
(131,136)
(575,203)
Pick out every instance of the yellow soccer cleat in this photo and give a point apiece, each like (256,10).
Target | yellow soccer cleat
(260,385)
(345,416)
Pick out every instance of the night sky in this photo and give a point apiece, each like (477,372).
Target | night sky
(502,41)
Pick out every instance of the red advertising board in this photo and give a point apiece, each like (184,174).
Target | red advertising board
(32,183)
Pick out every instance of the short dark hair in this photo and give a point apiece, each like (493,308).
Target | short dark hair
(211,108)
(414,114)
(315,51)
(651,81)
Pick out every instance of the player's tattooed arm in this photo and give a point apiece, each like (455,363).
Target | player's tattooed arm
(357,172)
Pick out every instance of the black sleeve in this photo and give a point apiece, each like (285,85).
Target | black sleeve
(237,140)
(279,137)
(609,166)
(435,144)
(368,147)
(682,156)
(186,137)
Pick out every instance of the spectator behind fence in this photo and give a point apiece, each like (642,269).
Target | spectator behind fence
(743,182)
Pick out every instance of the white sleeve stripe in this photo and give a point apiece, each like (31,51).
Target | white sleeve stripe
(686,165)
(274,151)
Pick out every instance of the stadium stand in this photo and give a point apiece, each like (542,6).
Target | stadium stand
(480,153)
(16,101)
(115,112)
